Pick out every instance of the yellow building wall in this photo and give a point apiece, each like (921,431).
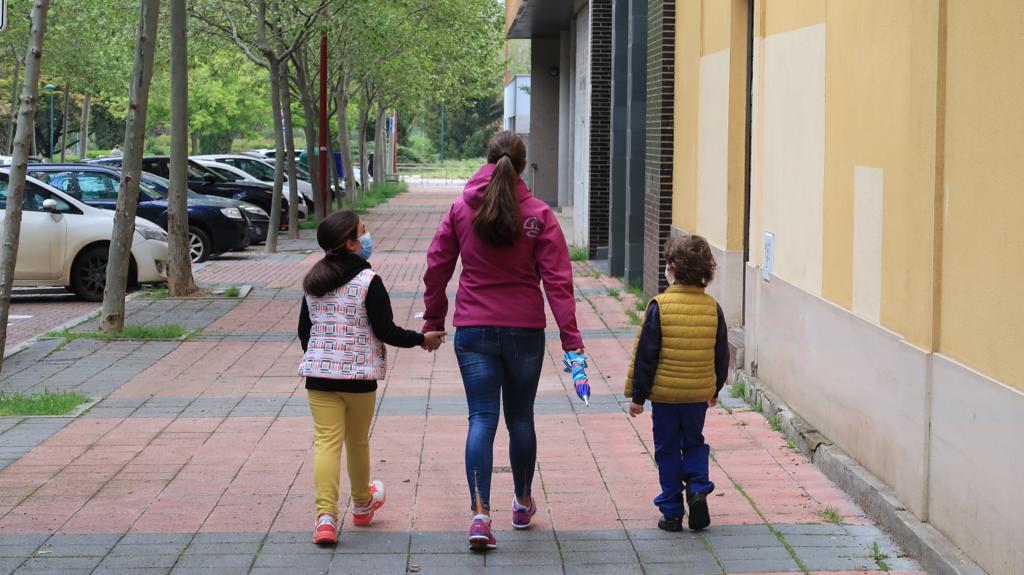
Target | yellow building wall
(686,117)
(880,114)
(983,243)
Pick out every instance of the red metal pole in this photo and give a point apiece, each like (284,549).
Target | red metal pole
(394,143)
(322,155)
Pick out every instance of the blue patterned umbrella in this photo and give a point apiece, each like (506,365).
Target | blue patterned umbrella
(576,364)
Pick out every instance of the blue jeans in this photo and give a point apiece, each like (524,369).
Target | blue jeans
(496,363)
(681,454)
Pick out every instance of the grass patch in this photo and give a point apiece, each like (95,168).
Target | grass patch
(758,407)
(40,403)
(738,389)
(612,292)
(775,422)
(878,557)
(308,224)
(231,292)
(378,194)
(634,318)
(830,515)
(791,444)
(637,292)
(142,332)
(579,254)
(157,293)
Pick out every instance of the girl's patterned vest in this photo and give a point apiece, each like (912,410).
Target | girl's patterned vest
(341,341)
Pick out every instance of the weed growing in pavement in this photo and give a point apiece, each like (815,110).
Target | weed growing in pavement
(739,388)
(378,194)
(142,332)
(878,557)
(40,403)
(308,224)
(634,318)
(775,422)
(758,407)
(579,253)
(231,292)
(791,444)
(637,292)
(831,515)
(157,293)
(612,292)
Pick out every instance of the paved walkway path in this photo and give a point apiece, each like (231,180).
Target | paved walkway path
(198,457)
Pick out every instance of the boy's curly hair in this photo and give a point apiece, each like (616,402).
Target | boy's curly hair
(694,262)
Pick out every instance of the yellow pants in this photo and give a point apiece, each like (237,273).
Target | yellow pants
(339,417)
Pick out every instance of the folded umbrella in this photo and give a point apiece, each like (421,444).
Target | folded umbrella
(576,364)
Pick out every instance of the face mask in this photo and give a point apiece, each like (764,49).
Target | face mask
(669,276)
(367,243)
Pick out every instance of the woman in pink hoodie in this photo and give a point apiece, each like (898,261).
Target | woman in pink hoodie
(510,242)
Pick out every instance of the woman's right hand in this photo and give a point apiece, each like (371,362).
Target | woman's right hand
(433,340)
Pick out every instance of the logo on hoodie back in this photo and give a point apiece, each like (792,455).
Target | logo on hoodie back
(531,226)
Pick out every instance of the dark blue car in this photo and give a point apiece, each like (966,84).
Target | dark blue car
(259,221)
(213,229)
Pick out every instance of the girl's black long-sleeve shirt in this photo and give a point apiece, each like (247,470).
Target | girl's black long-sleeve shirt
(382,322)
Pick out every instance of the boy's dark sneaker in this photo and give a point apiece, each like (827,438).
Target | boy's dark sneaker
(670,523)
(699,515)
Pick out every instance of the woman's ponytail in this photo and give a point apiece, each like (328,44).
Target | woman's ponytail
(496,222)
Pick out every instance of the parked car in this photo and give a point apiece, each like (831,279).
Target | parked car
(65,242)
(204,181)
(233,173)
(259,220)
(212,229)
(263,170)
(267,153)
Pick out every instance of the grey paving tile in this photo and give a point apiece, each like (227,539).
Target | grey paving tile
(465,560)
(8,565)
(736,531)
(739,541)
(293,571)
(603,570)
(601,535)
(21,551)
(493,569)
(349,564)
(130,571)
(294,548)
(211,537)
(53,564)
(837,563)
(156,538)
(378,542)
(702,568)
(287,537)
(742,553)
(517,558)
(210,571)
(147,561)
(218,561)
(805,540)
(290,560)
(237,548)
(71,550)
(810,528)
(610,546)
(599,557)
(759,565)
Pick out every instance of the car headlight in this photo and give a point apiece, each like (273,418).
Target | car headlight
(256,210)
(232,213)
(153,233)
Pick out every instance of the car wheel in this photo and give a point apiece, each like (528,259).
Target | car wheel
(198,245)
(89,274)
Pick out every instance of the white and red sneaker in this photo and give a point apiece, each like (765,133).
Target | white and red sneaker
(480,536)
(326,530)
(522,516)
(362,515)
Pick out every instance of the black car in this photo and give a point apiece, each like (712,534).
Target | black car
(206,182)
(259,220)
(213,229)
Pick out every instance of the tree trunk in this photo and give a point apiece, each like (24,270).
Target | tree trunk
(364,117)
(275,204)
(332,168)
(83,128)
(64,126)
(309,111)
(380,164)
(19,165)
(119,260)
(179,258)
(289,145)
(345,140)
(194,137)
(14,105)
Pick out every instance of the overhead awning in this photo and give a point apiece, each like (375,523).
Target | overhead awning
(539,18)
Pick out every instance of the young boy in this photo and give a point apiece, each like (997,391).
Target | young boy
(680,363)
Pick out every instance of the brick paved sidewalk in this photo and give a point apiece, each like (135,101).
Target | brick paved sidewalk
(198,458)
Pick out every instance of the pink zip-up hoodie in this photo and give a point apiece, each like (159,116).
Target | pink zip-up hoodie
(500,286)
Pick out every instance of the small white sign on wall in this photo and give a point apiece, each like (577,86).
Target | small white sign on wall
(769,257)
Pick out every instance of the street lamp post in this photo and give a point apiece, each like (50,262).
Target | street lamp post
(51,89)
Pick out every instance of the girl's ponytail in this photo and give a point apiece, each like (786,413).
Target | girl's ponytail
(496,222)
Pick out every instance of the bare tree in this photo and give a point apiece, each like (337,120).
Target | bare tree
(83,130)
(119,260)
(15,77)
(64,126)
(19,164)
(179,261)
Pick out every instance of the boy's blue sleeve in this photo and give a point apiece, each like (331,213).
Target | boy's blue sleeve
(648,348)
(721,352)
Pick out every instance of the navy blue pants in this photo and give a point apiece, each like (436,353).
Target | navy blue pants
(681,454)
(500,365)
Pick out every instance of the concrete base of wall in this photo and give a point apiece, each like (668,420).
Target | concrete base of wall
(937,554)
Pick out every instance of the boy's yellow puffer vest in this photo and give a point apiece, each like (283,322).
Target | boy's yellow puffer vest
(686,365)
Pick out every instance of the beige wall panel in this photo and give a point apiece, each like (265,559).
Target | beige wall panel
(715,16)
(713,149)
(976,466)
(860,384)
(868,191)
(983,265)
(686,118)
(794,152)
(738,68)
(787,15)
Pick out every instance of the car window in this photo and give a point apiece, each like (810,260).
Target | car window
(158,167)
(226,174)
(94,186)
(34,197)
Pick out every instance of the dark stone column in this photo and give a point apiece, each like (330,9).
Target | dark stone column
(636,98)
(617,243)
(600,125)
(661,29)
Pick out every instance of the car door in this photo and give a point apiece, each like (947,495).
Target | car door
(43,234)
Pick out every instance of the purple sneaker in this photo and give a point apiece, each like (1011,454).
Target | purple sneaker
(480,536)
(522,516)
